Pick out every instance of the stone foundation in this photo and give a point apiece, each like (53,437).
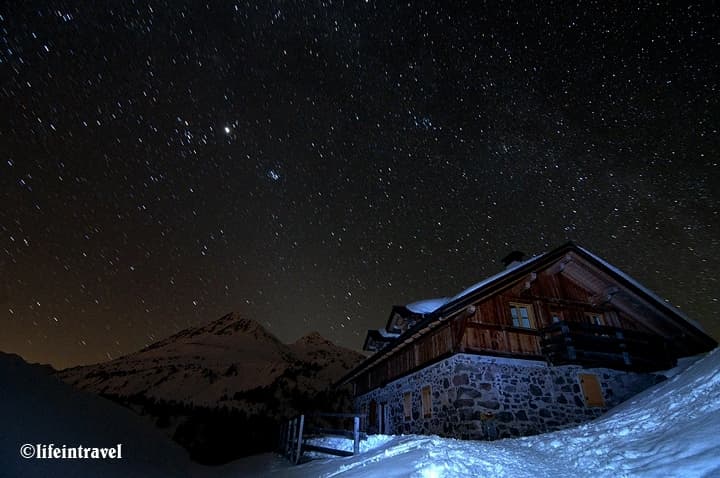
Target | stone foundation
(485,398)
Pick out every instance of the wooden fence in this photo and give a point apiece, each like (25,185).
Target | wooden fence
(295,432)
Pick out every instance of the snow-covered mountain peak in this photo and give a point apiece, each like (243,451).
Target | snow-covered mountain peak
(215,363)
(234,323)
(231,330)
(313,339)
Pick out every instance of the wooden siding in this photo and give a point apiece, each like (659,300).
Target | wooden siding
(437,343)
(426,349)
(501,340)
(401,362)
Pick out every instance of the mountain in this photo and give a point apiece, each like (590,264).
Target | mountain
(216,364)
(330,361)
(36,407)
(220,390)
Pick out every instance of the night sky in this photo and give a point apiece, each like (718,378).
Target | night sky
(310,164)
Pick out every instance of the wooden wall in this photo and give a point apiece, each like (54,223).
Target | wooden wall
(437,343)
(489,328)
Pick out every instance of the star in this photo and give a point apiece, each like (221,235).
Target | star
(430,141)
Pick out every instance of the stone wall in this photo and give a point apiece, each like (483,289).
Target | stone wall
(482,397)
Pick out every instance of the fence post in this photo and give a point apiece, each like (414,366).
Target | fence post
(299,442)
(356,435)
(280,437)
(287,438)
(293,432)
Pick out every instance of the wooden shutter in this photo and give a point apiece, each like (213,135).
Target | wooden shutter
(426,402)
(591,390)
(407,405)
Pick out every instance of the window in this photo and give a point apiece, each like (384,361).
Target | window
(595,318)
(426,402)
(591,390)
(521,315)
(407,405)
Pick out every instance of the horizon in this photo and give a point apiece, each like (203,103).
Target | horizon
(283,338)
(195,327)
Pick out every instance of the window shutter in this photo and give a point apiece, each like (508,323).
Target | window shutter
(591,390)
(426,402)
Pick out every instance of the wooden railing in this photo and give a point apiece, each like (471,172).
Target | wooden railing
(501,339)
(602,346)
(295,433)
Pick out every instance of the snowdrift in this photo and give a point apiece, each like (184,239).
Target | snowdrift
(672,429)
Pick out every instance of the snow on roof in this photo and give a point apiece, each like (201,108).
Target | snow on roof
(385,333)
(427,306)
(431,305)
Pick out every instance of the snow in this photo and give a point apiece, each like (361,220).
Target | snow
(385,333)
(668,430)
(426,306)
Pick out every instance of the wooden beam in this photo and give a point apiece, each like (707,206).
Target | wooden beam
(558,301)
(604,297)
(300,439)
(560,265)
(528,283)
(329,451)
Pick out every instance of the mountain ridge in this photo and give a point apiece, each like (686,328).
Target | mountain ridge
(208,365)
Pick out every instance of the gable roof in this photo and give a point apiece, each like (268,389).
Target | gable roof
(438,309)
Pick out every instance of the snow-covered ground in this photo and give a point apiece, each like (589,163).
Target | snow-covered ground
(670,430)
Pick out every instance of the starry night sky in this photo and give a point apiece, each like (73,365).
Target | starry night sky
(310,164)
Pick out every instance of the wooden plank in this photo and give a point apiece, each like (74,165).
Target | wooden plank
(335,415)
(300,438)
(290,431)
(329,451)
(332,432)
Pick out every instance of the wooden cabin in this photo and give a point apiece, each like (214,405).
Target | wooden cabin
(549,342)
